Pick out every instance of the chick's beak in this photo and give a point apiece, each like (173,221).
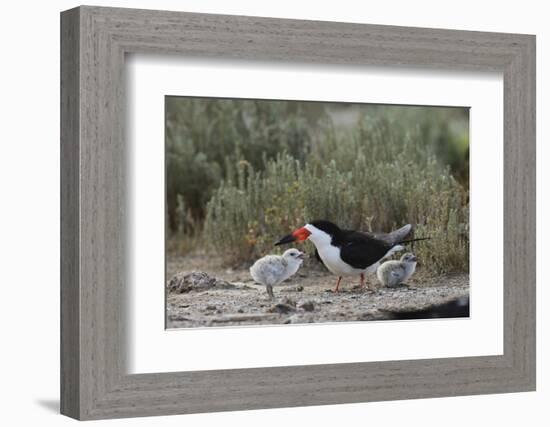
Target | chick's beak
(302,255)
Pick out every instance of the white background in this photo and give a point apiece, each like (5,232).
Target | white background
(150,79)
(29,215)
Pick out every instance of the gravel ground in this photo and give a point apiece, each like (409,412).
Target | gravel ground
(229,297)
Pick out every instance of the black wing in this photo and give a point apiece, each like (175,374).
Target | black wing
(361,250)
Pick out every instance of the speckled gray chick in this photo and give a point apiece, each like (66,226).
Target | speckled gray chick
(271,270)
(394,273)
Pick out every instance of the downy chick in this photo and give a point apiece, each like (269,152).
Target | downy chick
(271,270)
(394,273)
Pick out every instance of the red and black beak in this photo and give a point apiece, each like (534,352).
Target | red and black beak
(299,235)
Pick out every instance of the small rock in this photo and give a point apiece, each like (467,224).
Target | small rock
(306,305)
(290,302)
(299,288)
(281,308)
(196,281)
(210,307)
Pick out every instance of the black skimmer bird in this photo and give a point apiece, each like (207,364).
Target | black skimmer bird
(349,252)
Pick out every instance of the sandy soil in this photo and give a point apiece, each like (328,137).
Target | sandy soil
(234,299)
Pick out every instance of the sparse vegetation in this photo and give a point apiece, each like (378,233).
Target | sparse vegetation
(244,173)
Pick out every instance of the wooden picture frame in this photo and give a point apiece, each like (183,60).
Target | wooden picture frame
(94,41)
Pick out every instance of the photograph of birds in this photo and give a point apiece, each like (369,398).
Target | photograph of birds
(271,270)
(350,184)
(395,273)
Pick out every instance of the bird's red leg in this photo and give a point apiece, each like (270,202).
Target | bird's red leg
(337,284)
(362,280)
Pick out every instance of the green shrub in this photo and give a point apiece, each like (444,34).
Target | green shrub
(205,138)
(352,185)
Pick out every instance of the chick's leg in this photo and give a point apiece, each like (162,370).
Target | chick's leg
(269,289)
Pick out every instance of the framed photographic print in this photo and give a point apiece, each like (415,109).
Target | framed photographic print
(275,213)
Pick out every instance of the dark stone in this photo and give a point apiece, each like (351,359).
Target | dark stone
(306,305)
(196,281)
(281,308)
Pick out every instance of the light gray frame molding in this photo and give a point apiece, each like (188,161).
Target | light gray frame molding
(94,41)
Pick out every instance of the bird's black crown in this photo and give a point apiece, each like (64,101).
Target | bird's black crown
(326,226)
